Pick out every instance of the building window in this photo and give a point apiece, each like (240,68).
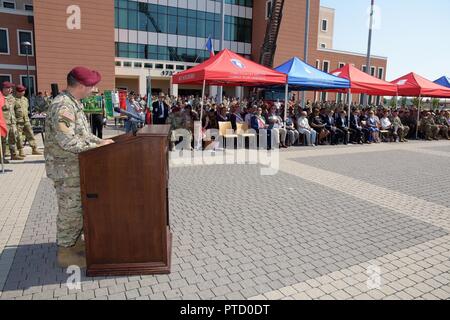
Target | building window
(325,68)
(180,68)
(25,36)
(118,64)
(138,65)
(5,77)
(31,87)
(269,6)
(341,65)
(324,25)
(148,65)
(380,73)
(323,45)
(318,64)
(9,4)
(373,71)
(364,68)
(170,67)
(4,41)
(29,7)
(159,66)
(127,64)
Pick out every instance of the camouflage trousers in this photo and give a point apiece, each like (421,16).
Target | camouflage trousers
(443,131)
(69,222)
(11,138)
(431,132)
(25,129)
(401,132)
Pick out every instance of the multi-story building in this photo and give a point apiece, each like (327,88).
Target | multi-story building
(16,27)
(129,40)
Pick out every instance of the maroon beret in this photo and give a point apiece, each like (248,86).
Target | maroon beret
(85,76)
(21,88)
(7,85)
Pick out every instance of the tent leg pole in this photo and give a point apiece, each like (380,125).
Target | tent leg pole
(349,97)
(418,117)
(200,137)
(286,96)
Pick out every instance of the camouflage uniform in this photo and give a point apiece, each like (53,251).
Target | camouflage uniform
(67,134)
(429,128)
(442,124)
(400,131)
(23,124)
(10,118)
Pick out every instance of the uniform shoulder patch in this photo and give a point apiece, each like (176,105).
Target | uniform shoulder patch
(65,113)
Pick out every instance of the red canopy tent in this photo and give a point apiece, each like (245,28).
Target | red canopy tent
(229,68)
(413,85)
(361,82)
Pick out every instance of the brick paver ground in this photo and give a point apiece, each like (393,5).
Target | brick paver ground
(329,225)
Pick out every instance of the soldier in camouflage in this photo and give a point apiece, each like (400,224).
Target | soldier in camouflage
(400,131)
(23,122)
(67,134)
(11,123)
(441,122)
(429,127)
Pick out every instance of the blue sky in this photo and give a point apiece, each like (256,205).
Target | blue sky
(413,34)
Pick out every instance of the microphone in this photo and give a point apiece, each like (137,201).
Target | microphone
(128,114)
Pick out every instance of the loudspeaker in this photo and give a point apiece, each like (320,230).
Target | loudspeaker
(55,90)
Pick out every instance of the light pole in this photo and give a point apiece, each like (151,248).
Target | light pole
(369,46)
(27,45)
(222,41)
(305,55)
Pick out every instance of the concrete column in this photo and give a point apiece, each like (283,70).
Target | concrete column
(213,90)
(173,89)
(239,92)
(142,85)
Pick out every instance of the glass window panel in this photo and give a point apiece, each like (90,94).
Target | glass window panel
(3,41)
(191,27)
(123,19)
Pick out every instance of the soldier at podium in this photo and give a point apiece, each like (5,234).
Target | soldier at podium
(67,134)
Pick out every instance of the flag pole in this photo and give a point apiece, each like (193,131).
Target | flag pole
(286,96)
(369,47)
(200,137)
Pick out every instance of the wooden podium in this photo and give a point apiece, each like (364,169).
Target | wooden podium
(124,191)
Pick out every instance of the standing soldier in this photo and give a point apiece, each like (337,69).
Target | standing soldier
(23,122)
(400,131)
(67,134)
(429,127)
(10,118)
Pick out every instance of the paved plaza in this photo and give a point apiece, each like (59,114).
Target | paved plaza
(347,222)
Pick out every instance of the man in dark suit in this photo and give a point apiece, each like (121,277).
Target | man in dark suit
(330,125)
(342,124)
(356,126)
(160,110)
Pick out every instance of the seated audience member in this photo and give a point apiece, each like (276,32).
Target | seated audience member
(342,124)
(292,134)
(357,128)
(399,130)
(331,126)
(442,124)
(305,129)
(276,124)
(235,116)
(250,113)
(372,126)
(386,124)
(317,124)
(222,116)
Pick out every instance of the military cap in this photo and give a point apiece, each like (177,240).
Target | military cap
(86,76)
(21,88)
(7,85)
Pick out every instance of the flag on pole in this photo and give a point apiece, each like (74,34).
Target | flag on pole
(3,128)
(210,47)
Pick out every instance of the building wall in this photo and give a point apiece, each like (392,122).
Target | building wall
(60,49)
(326,37)
(14,64)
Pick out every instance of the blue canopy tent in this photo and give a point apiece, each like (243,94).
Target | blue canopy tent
(443,81)
(303,77)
